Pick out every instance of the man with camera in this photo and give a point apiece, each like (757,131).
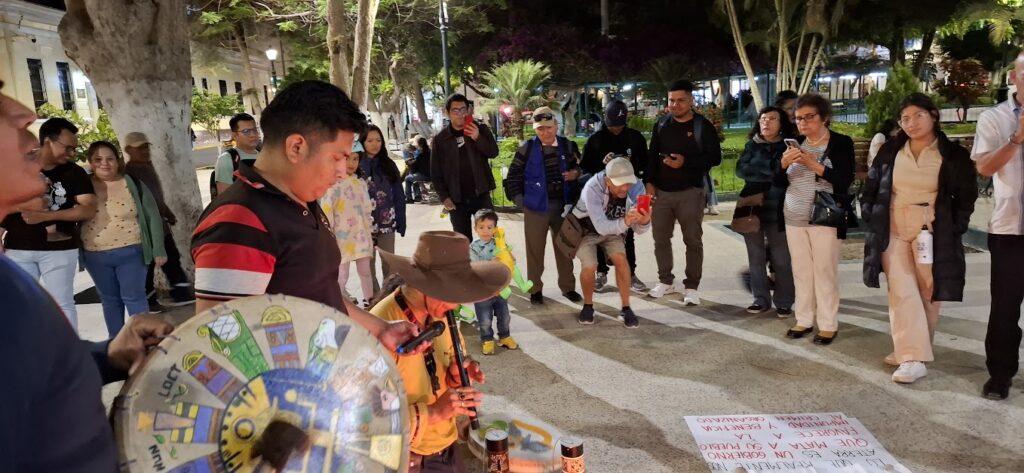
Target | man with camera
(616,140)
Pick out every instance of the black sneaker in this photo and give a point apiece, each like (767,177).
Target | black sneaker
(783,313)
(756,309)
(573,296)
(629,318)
(156,307)
(182,295)
(537,298)
(587,315)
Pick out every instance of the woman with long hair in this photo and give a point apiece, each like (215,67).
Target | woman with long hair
(758,165)
(385,187)
(921,187)
(126,234)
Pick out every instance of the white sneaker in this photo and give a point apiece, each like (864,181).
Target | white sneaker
(713,210)
(890,360)
(909,372)
(691,297)
(661,289)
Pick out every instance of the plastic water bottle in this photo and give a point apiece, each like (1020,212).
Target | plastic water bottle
(924,247)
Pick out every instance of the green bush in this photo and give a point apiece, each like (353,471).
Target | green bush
(88,132)
(639,123)
(883,104)
(850,129)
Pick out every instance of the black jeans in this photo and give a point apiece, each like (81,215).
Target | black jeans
(602,259)
(445,461)
(462,215)
(1002,342)
(172,268)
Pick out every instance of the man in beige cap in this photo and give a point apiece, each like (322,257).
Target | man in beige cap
(140,167)
(540,180)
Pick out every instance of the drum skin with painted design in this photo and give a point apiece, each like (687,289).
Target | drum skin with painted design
(205,394)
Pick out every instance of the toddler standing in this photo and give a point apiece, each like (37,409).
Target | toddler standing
(348,208)
(482,249)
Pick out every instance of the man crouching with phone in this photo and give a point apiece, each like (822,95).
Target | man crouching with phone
(684,147)
(607,209)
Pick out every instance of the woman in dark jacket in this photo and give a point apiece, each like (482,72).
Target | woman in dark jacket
(823,162)
(385,186)
(919,182)
(758,165)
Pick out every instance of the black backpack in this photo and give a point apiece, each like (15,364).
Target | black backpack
(235,159)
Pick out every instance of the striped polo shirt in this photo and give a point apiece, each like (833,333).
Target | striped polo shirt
(803,184)
(253,239)
(995,127)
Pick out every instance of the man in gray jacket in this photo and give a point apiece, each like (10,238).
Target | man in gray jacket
(459,166)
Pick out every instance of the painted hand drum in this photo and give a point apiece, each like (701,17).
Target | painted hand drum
(205,396)
(531,443)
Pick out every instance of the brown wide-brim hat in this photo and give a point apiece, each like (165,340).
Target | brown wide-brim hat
(440,268)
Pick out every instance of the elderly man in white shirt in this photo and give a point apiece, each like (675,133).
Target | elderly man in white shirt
(607,209)
(999,153)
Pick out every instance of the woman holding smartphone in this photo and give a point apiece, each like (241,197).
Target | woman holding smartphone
(760,162)
(823,162)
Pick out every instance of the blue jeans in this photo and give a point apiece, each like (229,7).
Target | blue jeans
(411,189)
(770,241)
(709,188)
(120,277)
(492,308)
(55,270)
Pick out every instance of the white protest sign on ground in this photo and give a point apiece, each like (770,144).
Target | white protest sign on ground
(811,443)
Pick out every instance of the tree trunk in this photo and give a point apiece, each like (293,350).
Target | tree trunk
(145,86)
(337,49)
(247,75)
(741,50)
(604,18)
(897,50)
(424,127)
(361,54)
(922,57)
(781,73)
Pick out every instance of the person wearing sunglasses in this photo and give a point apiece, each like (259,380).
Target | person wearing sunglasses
(540,180)
(246,136)
(460,167)
(45,242)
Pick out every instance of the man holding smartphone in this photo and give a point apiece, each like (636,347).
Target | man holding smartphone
(616,139)
(459,167)
(684,147)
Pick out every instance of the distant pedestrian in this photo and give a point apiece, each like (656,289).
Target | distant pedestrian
(246,137)
(917,204)
(684,148)
(418,170)
(460,164)
(822,163)
(540,181)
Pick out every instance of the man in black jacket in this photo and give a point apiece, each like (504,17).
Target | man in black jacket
(684,147)
(616,139)
(459,166)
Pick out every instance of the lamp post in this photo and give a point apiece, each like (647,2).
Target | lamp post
(442,18)
(272,56)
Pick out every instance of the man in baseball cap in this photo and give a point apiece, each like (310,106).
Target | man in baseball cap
(140,167)
(607,210)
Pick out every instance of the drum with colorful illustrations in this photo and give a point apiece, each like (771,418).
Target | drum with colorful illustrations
(206,394)
(531,443)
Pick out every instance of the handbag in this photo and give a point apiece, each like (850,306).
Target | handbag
(830,210)
(570,234)
(745,218)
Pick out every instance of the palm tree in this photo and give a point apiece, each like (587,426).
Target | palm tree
(1003,19)
(517,84)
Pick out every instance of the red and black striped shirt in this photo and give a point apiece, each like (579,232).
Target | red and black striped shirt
(253,239)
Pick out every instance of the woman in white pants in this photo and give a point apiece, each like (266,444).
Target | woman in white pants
(823,162)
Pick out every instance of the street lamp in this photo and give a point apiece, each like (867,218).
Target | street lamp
(442,18)
(272,56)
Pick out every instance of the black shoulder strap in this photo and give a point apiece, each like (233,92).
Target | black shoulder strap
(236,157)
